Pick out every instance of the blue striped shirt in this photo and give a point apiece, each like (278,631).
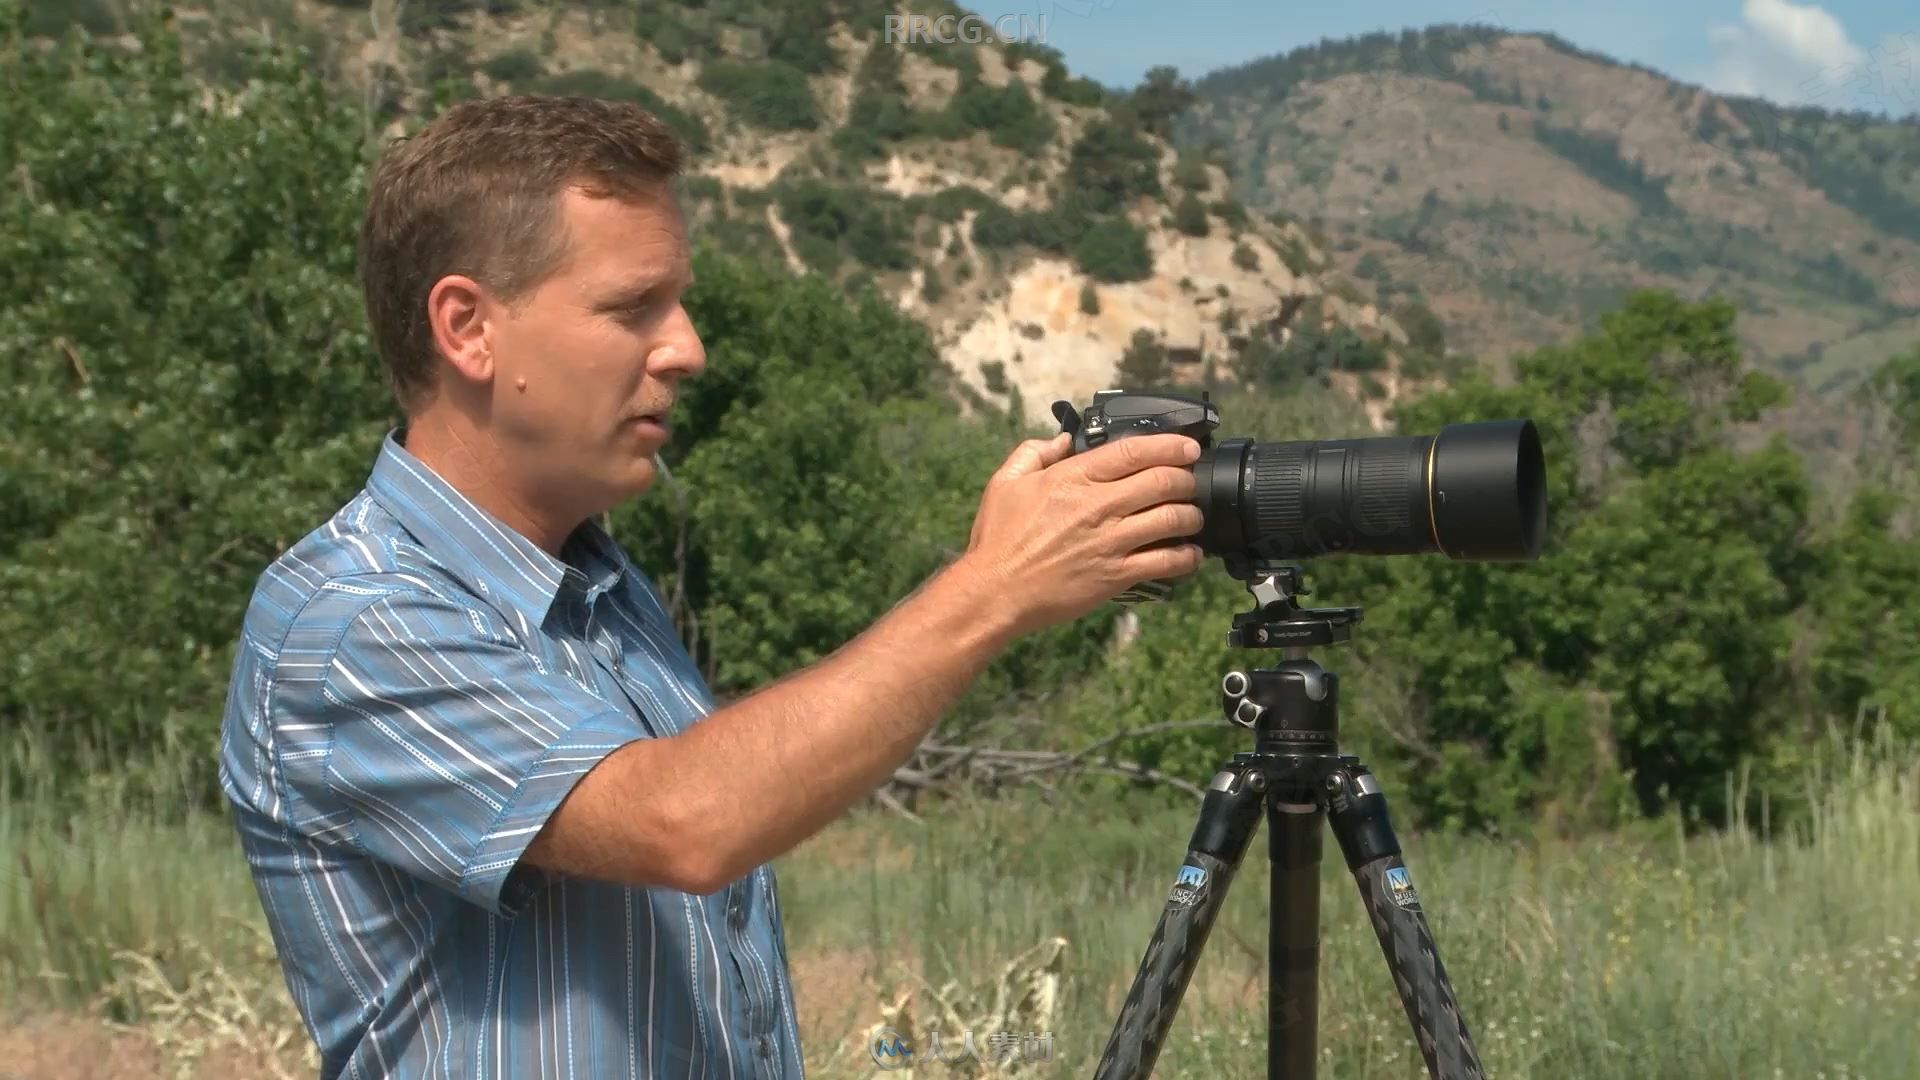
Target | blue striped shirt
(416,690)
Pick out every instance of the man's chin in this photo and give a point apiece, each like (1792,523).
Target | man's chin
(639,477)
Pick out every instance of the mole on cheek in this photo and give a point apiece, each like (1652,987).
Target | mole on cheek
(521,384)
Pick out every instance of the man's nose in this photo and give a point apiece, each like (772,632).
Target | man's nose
(682,353)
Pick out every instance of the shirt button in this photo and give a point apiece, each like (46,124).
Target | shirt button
(736,912)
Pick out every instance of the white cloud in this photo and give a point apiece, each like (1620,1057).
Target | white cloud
(1796,54)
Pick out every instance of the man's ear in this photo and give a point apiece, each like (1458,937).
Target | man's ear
(457,310)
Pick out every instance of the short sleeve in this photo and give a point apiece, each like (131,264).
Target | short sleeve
(451,744)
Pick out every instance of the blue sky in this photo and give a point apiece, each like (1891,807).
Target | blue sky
(1839,54)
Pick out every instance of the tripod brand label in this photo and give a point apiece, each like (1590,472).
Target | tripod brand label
(1400,887)
(1190,888)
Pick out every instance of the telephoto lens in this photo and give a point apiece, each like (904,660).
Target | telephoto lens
(1474,492)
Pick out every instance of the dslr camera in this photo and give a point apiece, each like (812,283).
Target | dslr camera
(1474,492)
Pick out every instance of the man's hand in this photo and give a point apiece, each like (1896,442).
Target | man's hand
(1058,536)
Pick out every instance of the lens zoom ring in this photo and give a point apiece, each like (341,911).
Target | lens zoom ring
(1382,508)
(1279,473)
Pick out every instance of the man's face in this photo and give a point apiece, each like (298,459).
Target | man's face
(602,343)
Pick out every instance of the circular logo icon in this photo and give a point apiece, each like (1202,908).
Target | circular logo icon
(890,1050)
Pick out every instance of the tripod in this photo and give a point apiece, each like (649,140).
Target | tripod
(1297,774)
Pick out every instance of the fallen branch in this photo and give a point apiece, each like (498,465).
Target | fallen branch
(73,360)
(935,765)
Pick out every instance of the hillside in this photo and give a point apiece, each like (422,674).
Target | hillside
(1521,185)
(1034,222)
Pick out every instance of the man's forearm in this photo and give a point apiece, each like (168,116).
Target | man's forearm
(794,756)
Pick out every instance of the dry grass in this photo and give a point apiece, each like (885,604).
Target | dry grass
(1619,957)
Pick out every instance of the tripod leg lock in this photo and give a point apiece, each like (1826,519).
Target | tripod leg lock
(1357,811)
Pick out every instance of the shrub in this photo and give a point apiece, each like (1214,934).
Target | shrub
(769,95)
(950,204)
(1231,212)
(669,37)
(514,66)
(1007,113)
(592,82)
(830,219)
(874,120)
(1144,363)
(1109,165)
(1073,90)
(702,187)
(995,226)
(1114,250)
(1190,172)
(1190,217)
(1425,332)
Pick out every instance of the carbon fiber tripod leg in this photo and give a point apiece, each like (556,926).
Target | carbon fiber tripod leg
(1228,815)
(1357,812)
(1293,938)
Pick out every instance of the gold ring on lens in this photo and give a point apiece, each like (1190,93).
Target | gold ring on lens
(1433,522)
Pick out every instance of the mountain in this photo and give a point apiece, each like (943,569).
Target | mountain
(1038,224)
(1519,185)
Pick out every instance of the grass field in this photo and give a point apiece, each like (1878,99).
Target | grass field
(1720,955)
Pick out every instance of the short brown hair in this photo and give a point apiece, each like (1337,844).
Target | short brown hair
(476,192)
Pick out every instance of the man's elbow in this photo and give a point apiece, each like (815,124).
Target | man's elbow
(697,849)
(675,839)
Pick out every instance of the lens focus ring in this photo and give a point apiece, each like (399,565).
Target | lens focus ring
(1278,474)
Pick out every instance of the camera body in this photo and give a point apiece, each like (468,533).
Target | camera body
(1115,414)
(1118,414)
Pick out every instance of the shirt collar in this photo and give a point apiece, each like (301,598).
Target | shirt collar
(483,552)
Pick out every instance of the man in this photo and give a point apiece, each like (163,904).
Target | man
(497,826)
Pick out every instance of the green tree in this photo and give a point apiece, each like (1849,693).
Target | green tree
(1159,99)
(1144,363)
(1191,217)
(191,385)
(829,220)
(1113,250)
(1190,172)
(1656,620)
(1007,113)
(592,82)
(1424,330)
(771,95)
(1109,165)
